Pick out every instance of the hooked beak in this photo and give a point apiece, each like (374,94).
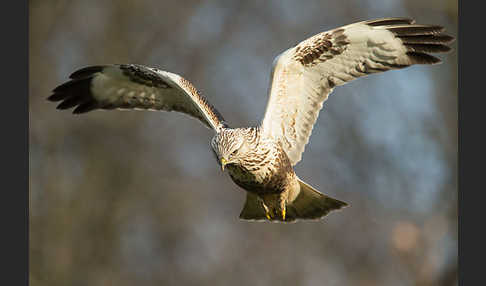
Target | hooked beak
(223,163)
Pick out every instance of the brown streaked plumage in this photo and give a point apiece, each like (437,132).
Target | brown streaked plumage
(260,159)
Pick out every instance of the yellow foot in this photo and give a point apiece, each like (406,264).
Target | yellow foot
(283,214)
(267,212)
(269,217)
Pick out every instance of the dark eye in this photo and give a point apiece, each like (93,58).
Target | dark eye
(234,152)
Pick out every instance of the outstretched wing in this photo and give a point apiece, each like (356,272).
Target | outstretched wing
(130,86)
(304,76)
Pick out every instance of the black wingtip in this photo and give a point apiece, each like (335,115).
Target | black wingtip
(419,39)
(422,58)
(56,97)
(390,21)
(85,107)
(427,48)
(412,30)
(86,72)
(66,86)
(68,103)
(427,39)
(75,93)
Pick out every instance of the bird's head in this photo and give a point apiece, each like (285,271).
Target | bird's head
(229,146)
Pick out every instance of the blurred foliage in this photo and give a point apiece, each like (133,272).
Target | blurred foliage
(136,198)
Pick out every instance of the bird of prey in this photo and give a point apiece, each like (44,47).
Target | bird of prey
(260,159)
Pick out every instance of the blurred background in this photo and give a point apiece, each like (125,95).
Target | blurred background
(136,198)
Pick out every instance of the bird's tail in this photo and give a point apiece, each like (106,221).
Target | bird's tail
(311,204)
(308,204)
(253,209)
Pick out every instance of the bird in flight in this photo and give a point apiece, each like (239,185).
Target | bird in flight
(260,159)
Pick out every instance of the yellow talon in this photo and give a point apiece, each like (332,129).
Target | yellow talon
(267,212)
(268,216)
(283,214)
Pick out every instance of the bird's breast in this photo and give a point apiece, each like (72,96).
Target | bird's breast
(264,175)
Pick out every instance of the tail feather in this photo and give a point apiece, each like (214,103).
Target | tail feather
(308,204)
(253,208)
(311,204)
